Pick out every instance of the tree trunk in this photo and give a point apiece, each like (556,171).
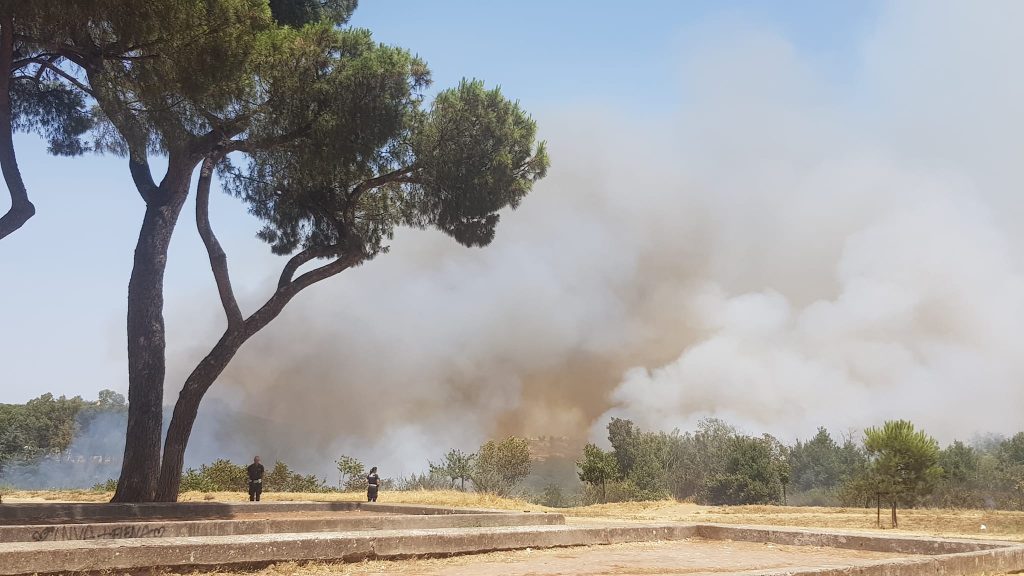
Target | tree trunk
(210,368)
(21,208)
(237,333)
(187,408)
(894,523)
(147,342)
(878,510)
(604,496)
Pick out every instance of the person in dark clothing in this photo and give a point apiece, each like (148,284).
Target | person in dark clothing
(255,471)
(372,484)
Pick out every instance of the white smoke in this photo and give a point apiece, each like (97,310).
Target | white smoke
(784,250)
(866,265)
(925,325)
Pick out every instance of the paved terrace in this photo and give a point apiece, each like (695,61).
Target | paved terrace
(62,538)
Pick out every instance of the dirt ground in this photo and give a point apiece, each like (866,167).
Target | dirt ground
(691,557)
(998,524)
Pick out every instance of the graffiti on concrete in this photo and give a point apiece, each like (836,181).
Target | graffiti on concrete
(54,533)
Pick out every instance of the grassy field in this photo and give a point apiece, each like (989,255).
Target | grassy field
(957,523)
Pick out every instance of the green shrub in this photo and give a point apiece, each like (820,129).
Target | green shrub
(814,497)
(223,476)
(109,486)
(501,466)
(193,480)
(433,480)
(615,491)
(554,496)
(282,479)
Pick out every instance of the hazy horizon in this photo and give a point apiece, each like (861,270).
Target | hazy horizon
(784,216)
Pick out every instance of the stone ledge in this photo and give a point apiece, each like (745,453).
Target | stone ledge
(926,556)
(901,544)
(89,512)
(92,555)
(178,528)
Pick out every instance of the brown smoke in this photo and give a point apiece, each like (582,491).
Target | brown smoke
(774,253)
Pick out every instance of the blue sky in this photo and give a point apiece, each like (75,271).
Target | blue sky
(65,273)
(553,53)
(787,214)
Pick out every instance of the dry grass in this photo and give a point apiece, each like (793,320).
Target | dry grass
(952,523)
(448,498)
(56,496)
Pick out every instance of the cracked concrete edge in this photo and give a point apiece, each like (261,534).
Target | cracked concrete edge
(28,558)
(87,512)
(973,557)
(984,562)
(899,544)
(175,528)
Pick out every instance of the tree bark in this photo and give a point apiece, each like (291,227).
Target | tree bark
(895,524)
(147,339)
(187,408)
(238,331)
(218,259)
(878,510)
(210,368)
(21,208)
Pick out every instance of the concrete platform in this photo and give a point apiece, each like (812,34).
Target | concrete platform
(903,544)
(917,555)
(89,512)
(269,525)
(690,557)
(92,555)
(98,537)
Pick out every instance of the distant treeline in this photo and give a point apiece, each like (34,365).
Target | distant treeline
(498,467)
(41,440)
(889,465)
(894,464)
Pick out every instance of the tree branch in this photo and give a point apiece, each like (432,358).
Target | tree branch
(326,271)
(250,145)
(21,208)
(218,259)
(211,367)
(400,175)
(284,294)
(138,165)
(47,65)
(138,157)
(63,50)
(221,131)
(296,261)
(203,376)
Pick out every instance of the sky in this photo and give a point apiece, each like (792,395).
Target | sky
(786,214)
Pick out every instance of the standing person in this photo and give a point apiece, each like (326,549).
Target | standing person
(372,484)
(255,471)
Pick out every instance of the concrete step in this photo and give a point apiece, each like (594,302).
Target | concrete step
(270,525)
(89,512)
(86,555)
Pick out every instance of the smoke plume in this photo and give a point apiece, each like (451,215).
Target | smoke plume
(791,246)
